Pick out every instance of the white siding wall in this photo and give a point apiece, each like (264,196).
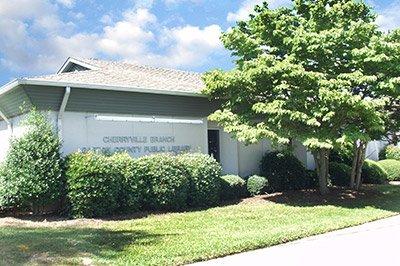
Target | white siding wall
(82,131)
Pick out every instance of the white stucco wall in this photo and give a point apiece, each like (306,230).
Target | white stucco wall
(81,131)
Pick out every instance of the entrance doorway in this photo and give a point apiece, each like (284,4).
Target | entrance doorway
(213,144)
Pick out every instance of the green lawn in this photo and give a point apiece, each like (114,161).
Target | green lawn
(179,238)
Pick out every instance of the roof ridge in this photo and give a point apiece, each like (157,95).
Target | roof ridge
(89,61)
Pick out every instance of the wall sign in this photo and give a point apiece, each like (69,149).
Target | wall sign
(139,145)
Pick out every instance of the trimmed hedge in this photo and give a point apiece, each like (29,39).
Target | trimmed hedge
(373,173)
(32,173)
(130,187)
(256,185)
(392,152)
(100,185)
(232,187)
(204,184)
(340,174)
(92,184)
(165,182)
(392,167)
(285,172)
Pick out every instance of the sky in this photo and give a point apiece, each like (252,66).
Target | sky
(37,36)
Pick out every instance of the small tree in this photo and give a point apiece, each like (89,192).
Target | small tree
(32,169)
(294,77)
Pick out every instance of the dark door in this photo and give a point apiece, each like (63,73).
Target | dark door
(213,144)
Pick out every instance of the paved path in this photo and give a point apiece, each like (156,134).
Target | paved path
(376,243)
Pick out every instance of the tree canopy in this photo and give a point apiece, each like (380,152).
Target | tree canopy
(305,72)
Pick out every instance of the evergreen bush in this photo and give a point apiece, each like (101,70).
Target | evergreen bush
(232,187)
(32,173)
(392,167)
(203,173)
(256,185)
(285,172)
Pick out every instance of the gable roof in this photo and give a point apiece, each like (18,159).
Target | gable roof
(123,76)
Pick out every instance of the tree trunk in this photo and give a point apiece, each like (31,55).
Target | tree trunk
(358,162)
(321,158)
(361,163)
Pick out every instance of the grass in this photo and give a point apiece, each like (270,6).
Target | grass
(178,238)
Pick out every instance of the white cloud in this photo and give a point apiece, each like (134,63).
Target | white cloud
(36,40)
(247,7)
(129,37)
(388,18)
(67,3)
(190,45)
(25,9)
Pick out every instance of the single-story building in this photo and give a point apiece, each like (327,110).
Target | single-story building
(117,106)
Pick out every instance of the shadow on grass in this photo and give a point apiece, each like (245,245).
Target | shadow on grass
(54,245)
(27,216)
(385,197)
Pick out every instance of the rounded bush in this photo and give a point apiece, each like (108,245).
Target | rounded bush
(232,187)
(392,167)
(92,185)
(284,172)
(32,175)
(130,187)
(373,173)
(204,173)
(164,180)
(392,152)
(256,185)
(340,174)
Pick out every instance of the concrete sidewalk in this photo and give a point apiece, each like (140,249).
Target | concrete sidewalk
(376,243)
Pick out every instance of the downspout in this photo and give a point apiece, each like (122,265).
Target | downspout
(9,124)
(62,110)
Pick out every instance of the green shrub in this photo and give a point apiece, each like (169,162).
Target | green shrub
(92,185)
(256,185)
(232,187)
(373,173)
(284,172)
(203,174)
(392,167)
(342,154)
(392,152)
(340,174)
(164,180)
(32,175)
(130,187)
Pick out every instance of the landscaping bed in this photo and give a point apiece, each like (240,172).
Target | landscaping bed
(178,238)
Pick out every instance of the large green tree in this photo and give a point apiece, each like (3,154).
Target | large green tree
(295,78)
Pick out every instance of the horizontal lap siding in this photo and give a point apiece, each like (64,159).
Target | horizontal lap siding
(12,102)
(119,102)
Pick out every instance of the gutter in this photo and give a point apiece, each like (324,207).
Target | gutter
(62,110)
(6,88)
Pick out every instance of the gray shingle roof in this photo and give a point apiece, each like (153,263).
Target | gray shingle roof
(128,75)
